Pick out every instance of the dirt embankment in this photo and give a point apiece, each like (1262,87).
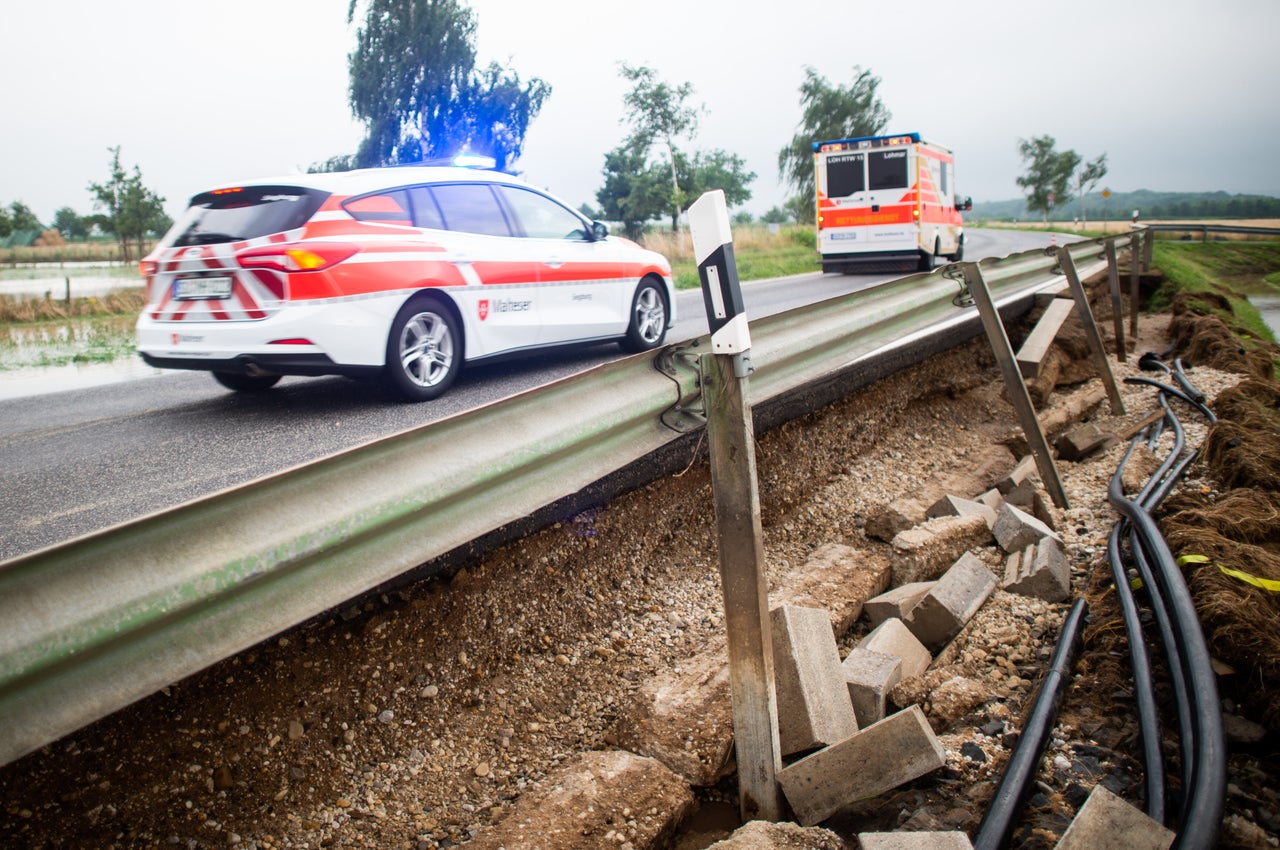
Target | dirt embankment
(417,719)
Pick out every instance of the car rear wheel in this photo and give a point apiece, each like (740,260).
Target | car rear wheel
(648,324)
(424,350)
(243,383)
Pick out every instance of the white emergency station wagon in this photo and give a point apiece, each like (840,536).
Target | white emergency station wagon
(399,274)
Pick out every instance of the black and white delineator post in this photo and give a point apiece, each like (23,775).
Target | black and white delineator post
(718,271)
(731,437)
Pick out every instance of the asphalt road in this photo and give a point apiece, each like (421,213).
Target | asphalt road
(78,461)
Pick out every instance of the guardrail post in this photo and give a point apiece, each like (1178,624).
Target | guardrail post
(1133,285)
(1018,395)
(1096,349)
(1117,306)
(1148,243)
(731,439)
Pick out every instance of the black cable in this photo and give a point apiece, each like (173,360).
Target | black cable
(1024,762)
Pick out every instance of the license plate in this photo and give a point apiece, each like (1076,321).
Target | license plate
(192,288)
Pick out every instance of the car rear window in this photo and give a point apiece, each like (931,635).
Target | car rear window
(234,215)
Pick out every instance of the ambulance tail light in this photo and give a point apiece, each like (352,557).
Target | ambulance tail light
(309,257)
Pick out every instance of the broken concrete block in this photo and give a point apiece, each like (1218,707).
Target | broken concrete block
(836,578)
(925,552)
(956,506)
(685,719)
(1105,820)
(763,835)
(813,700)
(591,793)
(870,675)
(896,602)
(993,499)
(881,757)
(1082,441)
(1040,571)
(1016,529)
(892,637)
(1020,474)
(952,602)
(897,516)
(914,841)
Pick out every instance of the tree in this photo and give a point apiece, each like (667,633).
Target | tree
(1047,181)
(70,225)
(634,191)
(829,112)
(658,113)
(21,217)
(132,211)
(1086,178)
(415,86)
(776,215)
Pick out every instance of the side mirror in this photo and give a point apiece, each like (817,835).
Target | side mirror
(599,231)
(966,204)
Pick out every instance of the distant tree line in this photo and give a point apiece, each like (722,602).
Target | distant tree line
(1151,205)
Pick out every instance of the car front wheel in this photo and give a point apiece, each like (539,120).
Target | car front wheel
(647,326)
(424,350)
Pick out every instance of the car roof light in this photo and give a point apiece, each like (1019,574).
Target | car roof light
(474,160)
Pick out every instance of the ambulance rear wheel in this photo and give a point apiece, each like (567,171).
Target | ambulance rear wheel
(928,260)
(959,254)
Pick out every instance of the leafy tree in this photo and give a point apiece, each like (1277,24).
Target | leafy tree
(1047,182)
(22,218)
(829,112)
(70,225)
(639,187)
(132,210)
(743,218)
(777,215)
(1086,178)
(658,112)
(716,169)
(6,223)
(415,86)
(634,191)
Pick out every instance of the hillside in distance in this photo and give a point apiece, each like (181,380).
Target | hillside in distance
(1152,205)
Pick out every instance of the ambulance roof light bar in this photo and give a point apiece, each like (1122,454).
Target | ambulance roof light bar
(863,142)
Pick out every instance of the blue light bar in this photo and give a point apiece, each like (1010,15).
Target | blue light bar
(473,160)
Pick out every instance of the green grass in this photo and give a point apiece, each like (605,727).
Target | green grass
(1232,270)
(96,339)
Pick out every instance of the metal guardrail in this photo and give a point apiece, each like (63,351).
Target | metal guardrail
(1205,229)
(91,625)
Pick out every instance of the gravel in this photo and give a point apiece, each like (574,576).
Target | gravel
(413,719)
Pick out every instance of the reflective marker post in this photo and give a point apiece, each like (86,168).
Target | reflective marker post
(731,436)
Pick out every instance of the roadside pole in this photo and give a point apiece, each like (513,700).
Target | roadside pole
(731,438)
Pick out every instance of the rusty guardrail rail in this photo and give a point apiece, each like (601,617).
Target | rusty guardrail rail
(91,625)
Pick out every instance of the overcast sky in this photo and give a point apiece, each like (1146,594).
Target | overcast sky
(1180,95)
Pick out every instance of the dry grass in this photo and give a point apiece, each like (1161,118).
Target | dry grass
(678,247)
(17,310)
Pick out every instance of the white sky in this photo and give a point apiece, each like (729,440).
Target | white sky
(1181,95)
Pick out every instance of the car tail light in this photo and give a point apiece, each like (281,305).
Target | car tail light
(147,268)
(309,257)
(297,340)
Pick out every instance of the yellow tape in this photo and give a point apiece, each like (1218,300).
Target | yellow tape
(1269,585)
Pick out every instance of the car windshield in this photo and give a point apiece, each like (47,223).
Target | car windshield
(234,215)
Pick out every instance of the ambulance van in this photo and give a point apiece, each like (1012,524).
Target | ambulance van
(885,203)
